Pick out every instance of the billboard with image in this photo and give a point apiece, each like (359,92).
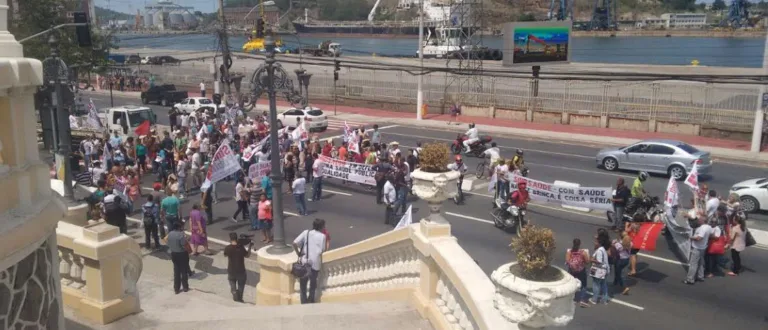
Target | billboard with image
(537,43)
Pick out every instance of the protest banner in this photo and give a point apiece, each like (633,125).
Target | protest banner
(692,180)
(354,172)
(258,171)
(596,198)
(406,220)
(672,195)
(223,164)
(681,233)
(645,239)
(93,116)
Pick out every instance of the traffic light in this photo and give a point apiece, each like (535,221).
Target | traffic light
(217,99)
(83,32)
(259,28)
(337,65)
(335,76)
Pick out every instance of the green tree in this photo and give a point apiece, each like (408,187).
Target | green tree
(39,15)
(719,5)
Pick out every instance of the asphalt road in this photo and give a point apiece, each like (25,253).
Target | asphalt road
(658,299)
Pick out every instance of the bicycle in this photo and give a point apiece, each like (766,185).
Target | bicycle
(482,168)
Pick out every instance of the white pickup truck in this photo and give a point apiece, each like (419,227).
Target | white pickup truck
(123,119)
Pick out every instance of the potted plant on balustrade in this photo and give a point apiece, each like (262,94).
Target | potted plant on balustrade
(433,181)
(531,291)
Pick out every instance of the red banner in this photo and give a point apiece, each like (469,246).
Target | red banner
(645,239)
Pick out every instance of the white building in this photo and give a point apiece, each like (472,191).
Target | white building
(675,21)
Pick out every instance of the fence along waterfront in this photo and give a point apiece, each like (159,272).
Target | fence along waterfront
(673,101)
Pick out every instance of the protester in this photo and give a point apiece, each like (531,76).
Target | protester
(632,231)
(737,243)
(179,248)
(197,227)
(600,270)
(151,219)
(170,211)
(620,198)
(390,197)
(698,249)
(265,218)
(622,248)
(317,178)
(576,259)
(236,273)
(241,197)
(115,212)
(309,246)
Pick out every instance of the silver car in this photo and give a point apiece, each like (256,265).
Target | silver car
(670,157)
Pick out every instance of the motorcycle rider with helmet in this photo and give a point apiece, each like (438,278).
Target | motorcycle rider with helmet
(519,198)
(638,193)
(472,136)
(518,160)
(459,166)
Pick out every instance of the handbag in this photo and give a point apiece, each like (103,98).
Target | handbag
(749,239)
(300,269)
(597,271)
(717,246)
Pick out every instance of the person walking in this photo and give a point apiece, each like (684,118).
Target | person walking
(241,197)
(151,219)
(236,274)
(169,211)
(181,174)
(576,259)
(266,184)
(254,195)
(202,88)
(198,229)
(600,270)
(208,204)
(115,212)
(179,248)
(622,248)
(698,249)
(317,178)
(265,218)
(299,191)
(390,197)
(737,243)
(309,246)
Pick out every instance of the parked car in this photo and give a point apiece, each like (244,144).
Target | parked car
(315,118)
(133,59)
(146,60)
(753,194)
(670,157)
(193,104)
(163,94)
(160,60)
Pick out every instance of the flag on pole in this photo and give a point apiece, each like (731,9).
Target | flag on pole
(93,116)
(645,239)
(347,132)
(672,195)
(406,220)
(143,129)
(692,180)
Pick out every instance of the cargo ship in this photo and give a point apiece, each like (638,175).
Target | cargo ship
(436,13)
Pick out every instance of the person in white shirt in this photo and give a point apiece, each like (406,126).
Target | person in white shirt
(309,246)
(263,156)
(205,144)
(202,88)
(88,152)
(242,200)
(390,197)
(472,136)
(493,153)
(395,150)
(185,120)
(196,169)
(699,243)
(712,203)
(299,190)
(502,182)
(317,178)
(181,169)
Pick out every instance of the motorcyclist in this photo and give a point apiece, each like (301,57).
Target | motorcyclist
(472,136)
(520,197)
(459,166)
(638,193)
(518,160)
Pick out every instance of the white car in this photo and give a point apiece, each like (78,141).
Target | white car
(315,118)
(753,194)
(194,104)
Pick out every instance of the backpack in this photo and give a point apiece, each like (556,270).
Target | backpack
(576,263)
(149,215)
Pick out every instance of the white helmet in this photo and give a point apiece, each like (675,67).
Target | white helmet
(643,176)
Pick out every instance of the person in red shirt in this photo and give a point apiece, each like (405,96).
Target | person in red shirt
(327,148)
(358,158)
(343,152)
(520,197)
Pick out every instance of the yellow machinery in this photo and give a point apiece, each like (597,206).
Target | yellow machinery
(256,42)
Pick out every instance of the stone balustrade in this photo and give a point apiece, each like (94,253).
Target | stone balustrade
(421,264)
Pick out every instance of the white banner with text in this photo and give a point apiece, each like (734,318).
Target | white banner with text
(354,172)
(597,198)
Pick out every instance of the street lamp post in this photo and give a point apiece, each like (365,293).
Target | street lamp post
(420,85)
(279,245)
(57,76)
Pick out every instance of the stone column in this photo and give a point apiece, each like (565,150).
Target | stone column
(30,295)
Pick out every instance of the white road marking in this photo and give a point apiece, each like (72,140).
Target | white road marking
(501,147)
(368,130)
(623,303)
(468,217)
(337,192)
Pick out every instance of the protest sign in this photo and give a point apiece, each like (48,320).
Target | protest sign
(354,172)
(645,239)
(672,195)
(93,116)
(406,220)
(596,198)
(257,171)
(692,180)
(223,164)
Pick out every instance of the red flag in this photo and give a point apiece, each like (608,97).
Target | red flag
(143,129)
(645,239)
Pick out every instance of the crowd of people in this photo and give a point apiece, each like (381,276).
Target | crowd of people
(125,82)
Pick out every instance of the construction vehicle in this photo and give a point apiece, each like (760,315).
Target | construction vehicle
(325,48)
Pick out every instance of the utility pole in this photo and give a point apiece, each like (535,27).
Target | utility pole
(58,77)
(762,104)
(420,86)
(336,69)
(225,54)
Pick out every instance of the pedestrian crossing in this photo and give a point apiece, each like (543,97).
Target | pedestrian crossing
(338,125)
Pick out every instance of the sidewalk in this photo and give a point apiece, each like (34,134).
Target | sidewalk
(720,148)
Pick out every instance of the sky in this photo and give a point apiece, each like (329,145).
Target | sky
(130,6)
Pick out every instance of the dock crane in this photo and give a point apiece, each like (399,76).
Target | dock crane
(560,10)
(738,15)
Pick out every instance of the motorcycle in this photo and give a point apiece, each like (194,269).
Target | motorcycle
(477,148)
(647,209)
(510,218)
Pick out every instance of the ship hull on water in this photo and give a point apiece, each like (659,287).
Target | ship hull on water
(358,29)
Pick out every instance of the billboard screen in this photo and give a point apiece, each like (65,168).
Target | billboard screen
(537,43)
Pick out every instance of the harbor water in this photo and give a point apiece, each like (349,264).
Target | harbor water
(724,52)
